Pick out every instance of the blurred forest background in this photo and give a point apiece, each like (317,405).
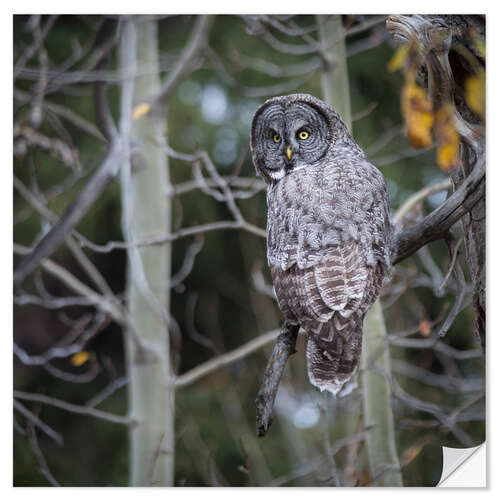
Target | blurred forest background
(69,347)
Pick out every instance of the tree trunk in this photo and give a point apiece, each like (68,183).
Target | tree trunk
(377,409)
(147,212)
(334,77)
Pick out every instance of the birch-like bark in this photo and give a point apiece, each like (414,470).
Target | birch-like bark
(375,356)
(146,212)
(377,409)
(334,77)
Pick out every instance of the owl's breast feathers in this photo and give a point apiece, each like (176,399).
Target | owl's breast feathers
(329,238)
(317,208)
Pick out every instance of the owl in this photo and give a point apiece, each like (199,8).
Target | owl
(329,233)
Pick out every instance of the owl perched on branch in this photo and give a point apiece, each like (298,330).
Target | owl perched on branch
(328,229)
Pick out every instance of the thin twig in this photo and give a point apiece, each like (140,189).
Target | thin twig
(452,263)
(81,410)
(89,194)
(181,233)
(37,204)
(42,463)
(435,225)
(419,196)
(225,359)
(107,391)
(103,303)
(40,36)
(38,423)
(188,60)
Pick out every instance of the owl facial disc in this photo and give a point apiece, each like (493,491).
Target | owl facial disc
(288,135)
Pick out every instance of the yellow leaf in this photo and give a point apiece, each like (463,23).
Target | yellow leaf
(425,328)
(447,154)
(475,94)
(411,453)
(79,358)
(140,110)
(398,58)
(417,112)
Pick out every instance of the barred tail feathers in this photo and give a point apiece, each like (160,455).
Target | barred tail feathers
(333,355)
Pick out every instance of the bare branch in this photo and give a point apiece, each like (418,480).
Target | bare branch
(181,233)
(188,61)
(447,418)
(447,383)
(76,285)
(283,349)
(42,463)
(460,279)
(82,378)
(106,172)
(452,263)
(81,410)
(77,252)
(242,61)
(58,351)
(40,36)
(63,112)
(438,222)
(191,327)
(57,148)
(105,38)
(419,196)
(107,391)
(188,262)
(103,303)
(38,423)
(225,359)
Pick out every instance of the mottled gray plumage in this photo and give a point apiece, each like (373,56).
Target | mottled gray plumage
(328,229)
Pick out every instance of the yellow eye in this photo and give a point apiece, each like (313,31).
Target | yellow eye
(303,134)
(276,138)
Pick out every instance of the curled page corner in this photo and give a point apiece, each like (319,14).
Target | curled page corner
(464,467)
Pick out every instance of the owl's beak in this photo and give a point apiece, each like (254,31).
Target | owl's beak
(289,152)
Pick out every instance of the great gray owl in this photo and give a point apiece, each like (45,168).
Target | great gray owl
(328,229)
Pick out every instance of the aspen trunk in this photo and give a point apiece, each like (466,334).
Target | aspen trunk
(147,212)
(334,77)
(377,409)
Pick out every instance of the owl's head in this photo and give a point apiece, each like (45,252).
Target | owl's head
(292,132)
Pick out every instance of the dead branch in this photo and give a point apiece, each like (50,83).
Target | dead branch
(283,349)
(437,224)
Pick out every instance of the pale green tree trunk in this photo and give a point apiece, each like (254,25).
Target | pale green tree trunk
(375,356)
(377,409)
(146,213)
(334,77)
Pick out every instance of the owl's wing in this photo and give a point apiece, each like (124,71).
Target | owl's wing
(330,300)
